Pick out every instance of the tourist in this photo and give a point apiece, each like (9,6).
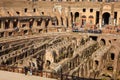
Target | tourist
(30,71)
(26,70)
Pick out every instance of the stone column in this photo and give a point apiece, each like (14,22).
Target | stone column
(43,24)
(80,20)
(34,23)
(69,17)
(100,22)
(112,19)
(27,24)
(69,22)
(59,21)
(65,21)
(50,23)
(18,24)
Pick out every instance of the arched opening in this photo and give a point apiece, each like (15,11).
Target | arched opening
(54,21)
(15,23)
(112,56)
(47,22)
(106,18)
(91,18)
(109,41)
(48,63)
(77,19)
(110,68)
(102,42)
(96,62)
(83,20)
(34,10)
(94,38)
(25,31)
(42,13)
(76,16)
(10,33)
(25,10)
(18,12)
(7,24)
(31,23)
(39,22)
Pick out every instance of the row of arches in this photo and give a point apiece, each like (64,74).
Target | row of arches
(81,19)
(78,20)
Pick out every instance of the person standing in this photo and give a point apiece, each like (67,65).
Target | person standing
(25,70)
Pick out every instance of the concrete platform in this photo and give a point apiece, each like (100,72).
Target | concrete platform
(4,75)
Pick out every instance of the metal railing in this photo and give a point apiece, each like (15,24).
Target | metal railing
(46,74)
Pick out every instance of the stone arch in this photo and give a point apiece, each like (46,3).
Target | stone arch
(18,13)
(83,20)
(93,38)
(105,18)
(7,24)
(47,22)
(15,23)
(76,16)
(102,41)
(91,19)
(112,56)
(39,22)
(96,62)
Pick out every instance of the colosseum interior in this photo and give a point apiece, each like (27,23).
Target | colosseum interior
(61,39)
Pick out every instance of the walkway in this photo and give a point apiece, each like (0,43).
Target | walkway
(4,75)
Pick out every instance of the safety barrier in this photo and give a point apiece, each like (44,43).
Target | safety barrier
(46,74)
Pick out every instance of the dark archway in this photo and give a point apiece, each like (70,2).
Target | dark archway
(76,15)
(61,20)
(83,20)
(112,56)
(93,38)
(102,42)
(15,24)
(106,17)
